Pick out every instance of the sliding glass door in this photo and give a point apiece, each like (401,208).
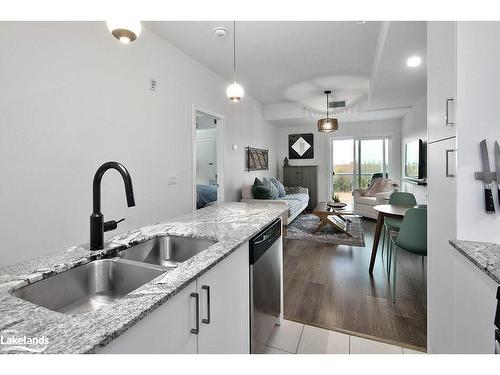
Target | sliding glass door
(344,168)
(354,161)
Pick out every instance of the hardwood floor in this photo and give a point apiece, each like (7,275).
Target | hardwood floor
(329,286)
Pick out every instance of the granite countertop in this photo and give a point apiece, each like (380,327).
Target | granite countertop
(484,255)
(231,224)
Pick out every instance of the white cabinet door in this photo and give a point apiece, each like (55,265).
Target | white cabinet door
(225,321)
(475,306)
(441,79)
(166,330)
(441,227)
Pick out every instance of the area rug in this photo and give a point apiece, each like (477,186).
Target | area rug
(302,229)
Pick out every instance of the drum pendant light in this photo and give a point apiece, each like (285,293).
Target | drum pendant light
(234,91)
(327,124)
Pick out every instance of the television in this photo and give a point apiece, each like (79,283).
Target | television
(415,163)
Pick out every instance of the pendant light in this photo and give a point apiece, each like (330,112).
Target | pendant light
(125,31)
(234,91)
(327,124)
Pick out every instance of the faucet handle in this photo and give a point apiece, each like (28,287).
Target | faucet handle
(112,224)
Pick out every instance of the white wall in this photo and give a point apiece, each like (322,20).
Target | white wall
(322,146)
(413,127)
(478,80)
(73,97)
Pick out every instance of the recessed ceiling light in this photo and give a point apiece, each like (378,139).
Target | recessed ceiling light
(414,61)
(360,22)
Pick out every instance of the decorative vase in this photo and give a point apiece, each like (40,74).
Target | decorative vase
(286,163)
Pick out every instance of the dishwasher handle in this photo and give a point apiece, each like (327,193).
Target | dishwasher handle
(265,237)
(264,240)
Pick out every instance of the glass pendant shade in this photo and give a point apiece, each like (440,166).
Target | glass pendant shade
(328,125)
(235,92)
(125,31)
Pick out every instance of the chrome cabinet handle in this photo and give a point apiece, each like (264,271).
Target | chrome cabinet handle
(448,152)
(448,122)
(207,320)
(196,330)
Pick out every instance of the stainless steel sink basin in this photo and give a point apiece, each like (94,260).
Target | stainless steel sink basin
(166,251)
(88,287)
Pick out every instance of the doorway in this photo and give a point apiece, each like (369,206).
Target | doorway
(207,159)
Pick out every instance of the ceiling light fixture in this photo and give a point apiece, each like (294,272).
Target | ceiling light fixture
(414,61)
(125,31)
(327,124)
(234,91)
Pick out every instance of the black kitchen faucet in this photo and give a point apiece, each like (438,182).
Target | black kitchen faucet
(97,224)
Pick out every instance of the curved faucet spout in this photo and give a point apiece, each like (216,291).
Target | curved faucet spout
(129,192)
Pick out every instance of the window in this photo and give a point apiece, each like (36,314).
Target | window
(354,162)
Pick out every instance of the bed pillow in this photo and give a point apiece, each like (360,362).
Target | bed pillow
(279,186)
(260,191)
(272,188)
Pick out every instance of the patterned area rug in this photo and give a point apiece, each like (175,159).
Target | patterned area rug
(302,229)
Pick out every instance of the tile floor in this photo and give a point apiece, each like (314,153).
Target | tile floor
(297,338)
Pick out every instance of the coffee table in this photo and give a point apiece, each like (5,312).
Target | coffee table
(333,216)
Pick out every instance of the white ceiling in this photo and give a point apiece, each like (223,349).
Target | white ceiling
(294,62)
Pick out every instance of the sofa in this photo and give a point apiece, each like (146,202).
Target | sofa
(296,198)
(364,200)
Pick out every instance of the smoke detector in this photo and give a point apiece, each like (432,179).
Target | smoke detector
(220,32)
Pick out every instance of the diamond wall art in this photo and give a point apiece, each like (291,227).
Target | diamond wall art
(301,146)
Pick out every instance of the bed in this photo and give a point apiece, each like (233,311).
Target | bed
(205,195)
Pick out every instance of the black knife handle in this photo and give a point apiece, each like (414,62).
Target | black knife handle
(488,200)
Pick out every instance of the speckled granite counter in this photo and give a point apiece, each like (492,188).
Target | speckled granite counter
(231,224)
(484,255)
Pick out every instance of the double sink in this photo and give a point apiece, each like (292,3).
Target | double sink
(101,282)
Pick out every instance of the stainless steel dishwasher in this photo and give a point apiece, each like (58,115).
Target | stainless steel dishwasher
(265,285)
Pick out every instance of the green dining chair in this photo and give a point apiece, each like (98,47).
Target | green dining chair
(393,223)
(412,237)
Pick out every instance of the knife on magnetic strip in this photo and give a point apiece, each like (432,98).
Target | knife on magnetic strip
(497,166)
(488,183)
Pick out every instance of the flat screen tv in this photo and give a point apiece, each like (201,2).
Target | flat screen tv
(415,164)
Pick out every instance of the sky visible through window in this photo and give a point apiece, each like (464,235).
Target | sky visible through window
(371,151)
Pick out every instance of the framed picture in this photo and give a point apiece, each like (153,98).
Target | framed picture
(301,146)
(257,159)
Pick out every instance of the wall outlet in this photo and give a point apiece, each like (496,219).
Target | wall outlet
(172,179)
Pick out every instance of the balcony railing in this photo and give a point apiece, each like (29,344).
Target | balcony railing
(343,182)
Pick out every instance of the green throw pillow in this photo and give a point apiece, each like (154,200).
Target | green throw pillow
(279,186)
(260,191)
(272,188)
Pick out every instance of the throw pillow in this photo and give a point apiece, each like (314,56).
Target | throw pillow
(379,185)
(272,188)
(279,186)
(259,191)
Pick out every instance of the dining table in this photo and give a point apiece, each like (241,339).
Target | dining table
(384,210)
